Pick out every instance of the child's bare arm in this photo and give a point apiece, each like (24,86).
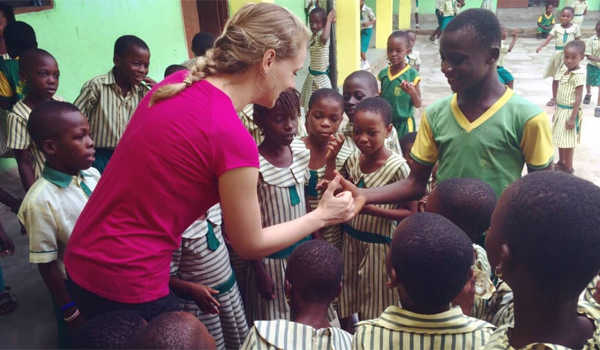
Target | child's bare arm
(25,168)
(390,214)
(546,42)
(327,30)
(417,67)
(53,278)
(578,98)
(264,283)
(514,41)
(202,295)
(593,58)
(413,91)
(333,149)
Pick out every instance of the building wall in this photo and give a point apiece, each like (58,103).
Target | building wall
(81,35)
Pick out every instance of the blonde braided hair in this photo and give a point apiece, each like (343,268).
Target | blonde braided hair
(248,34)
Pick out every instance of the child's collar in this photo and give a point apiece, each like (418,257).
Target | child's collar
(59,178)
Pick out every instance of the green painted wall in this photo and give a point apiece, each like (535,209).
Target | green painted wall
(295,6)
(593,5)
(428,6)
(81,35)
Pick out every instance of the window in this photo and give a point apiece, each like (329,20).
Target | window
(25,6)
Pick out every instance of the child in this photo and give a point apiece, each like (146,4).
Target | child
(112,330)
(415,10)
(580,7)
(204,282)
(18,38)
(439,5)
(448,13)
(369,234)
(543,243)
(566,128)
(109,100)
(39,70)
(413,58)
(482,114)
(400,84)
(174,331)
(429,262)
(358,86)
(201,43)
(325,114)
(7,16)
(469,204)
(545,22)
(564,33)
(458,5)
(367,20)
(53,204)
(317,78)
(283,174)
(505,77)
(174,68)
(592,53)
(313,279)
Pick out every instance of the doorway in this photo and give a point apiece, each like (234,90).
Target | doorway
(203,15)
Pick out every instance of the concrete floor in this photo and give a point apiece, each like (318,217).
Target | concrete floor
(32,325)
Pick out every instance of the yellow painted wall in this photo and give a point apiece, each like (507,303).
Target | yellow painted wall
(385,12)
(348,37)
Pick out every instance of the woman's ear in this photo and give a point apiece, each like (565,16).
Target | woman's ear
(267,61)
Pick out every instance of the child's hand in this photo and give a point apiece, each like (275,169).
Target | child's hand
(514,33)
(571,124)
(203,297)
(74,325)
(149,82)
(408,87)
(265,286)
(538,49)
(331,16)
(334,146)
(466,298)
(422,204)
(7,247)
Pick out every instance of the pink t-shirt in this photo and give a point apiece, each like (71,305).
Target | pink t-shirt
(162,177)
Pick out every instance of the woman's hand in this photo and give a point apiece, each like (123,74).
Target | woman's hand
(359,199)
(336,209)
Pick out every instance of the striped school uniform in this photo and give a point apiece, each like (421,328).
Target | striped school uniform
(281,199)
(414,58)
(499,339)
(563,36)
(331,234)
(592,48)
(366,244)
(484,287)
(580,7)
(400,329)
(203,259)
(487,5)
(287,335)
(19,139)
(565,98)
(392,142)
(247,118)
(504,313)
(588,293)
(108,112)
(318,71)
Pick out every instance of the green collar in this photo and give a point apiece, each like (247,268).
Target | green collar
(58,178)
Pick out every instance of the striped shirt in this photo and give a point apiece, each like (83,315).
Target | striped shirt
(414,58)
(564,35)
(590,290)
(4,132)
(500,339)
(569,82)
(400,329)
(19,139)
(107,110)
(439,4)
(592,48)
(287,335)
(449,8)
(580,7)
(367,15)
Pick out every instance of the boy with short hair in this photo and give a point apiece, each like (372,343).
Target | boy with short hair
(429,262)
(40,71)
(112,330)
(53,204)
(592,53)
(18,38)
(201,43)
(543,242)
(109,100)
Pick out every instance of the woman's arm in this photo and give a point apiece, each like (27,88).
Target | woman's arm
(239,203)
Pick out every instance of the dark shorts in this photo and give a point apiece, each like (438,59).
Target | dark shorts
(91,305)
(440,17)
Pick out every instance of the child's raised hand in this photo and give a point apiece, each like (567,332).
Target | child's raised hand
(407,87)
(514,33)
(571,124)
(331,16)
(334,146)
(149,82)
(265,286)
(203,297)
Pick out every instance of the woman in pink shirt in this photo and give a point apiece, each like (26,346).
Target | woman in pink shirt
(183,151)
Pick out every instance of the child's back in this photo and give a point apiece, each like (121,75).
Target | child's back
(430,262)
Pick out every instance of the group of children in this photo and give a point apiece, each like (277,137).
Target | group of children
(404,279)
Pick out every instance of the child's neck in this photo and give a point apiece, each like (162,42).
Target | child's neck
(52,163)
(397,68)
(566,25)
(313,315)
(478,99)
(538,320)
(374,161)
(32,100)
(122,82)
(574,68)
(318,151)
(278,155)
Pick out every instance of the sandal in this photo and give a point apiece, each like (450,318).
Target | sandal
(551,103)
(8,303)
(568,172)
(559,167)
(587,99)
(597,112)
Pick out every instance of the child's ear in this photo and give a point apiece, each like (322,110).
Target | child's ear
(494,54)
(388,130)
(409,51)
(49,147)
(288,290)
(116,60)
(505,262)
(393,278)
